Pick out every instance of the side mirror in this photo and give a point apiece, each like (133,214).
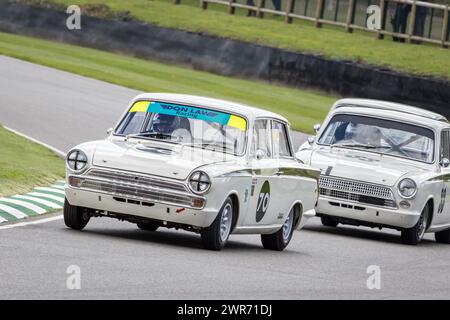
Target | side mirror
(305,146)
(311,139)
(444,162)
(259,154)
(316,127)
(108,132)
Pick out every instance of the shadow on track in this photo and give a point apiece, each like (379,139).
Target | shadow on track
(181,239)
(164,237)
(363,233)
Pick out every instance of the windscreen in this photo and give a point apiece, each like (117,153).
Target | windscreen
(194,126)
(381,136)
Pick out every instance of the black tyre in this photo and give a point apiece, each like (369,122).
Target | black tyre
(75,217)
(414,235)
(280,239)
(216,235)
(442,236)
(329,222)
(148,226)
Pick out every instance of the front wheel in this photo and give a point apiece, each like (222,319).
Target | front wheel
(148,226)
(216,235)
(75,217)
(329,222)
(442,236)
(415,234)
(280,239)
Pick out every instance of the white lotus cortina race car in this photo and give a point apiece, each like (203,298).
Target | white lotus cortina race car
(383,165)
(199,164)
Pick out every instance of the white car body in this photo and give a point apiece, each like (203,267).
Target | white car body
(349,176)
(132,179)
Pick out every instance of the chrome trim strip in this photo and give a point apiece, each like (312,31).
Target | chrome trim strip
(348,198)
(362,204)
(282,171)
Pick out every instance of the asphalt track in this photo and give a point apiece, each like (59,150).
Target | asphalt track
(60,108)
(119,261)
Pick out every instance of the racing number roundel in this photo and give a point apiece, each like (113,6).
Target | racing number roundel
(263,201)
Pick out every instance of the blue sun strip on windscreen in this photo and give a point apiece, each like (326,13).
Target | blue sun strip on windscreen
(191,113)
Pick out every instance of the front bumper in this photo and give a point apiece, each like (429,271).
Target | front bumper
(305,217)
(143,209)
(380,216)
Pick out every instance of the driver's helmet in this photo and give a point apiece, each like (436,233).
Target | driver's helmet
(164,123)
(350,131)
(368,135)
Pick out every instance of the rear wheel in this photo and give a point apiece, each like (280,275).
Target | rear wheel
(148,226)
(280,239)
(329,221)
(75,217)
(442,236)
(216,235)
(415,234)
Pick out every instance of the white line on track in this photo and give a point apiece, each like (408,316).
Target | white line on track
(22,203)
(12,211)
(34,196)
(39,221)
(39,200)
(46,195)
(50,189)
(57,151)
(58,187)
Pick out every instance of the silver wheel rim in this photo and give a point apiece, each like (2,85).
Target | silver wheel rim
(422,225)
(225,222)
(287,226)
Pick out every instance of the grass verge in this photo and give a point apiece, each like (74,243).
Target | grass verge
(301,36)
(303,108)
(25,164)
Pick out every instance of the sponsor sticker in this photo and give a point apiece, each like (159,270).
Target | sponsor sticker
(263,201)
(191,113)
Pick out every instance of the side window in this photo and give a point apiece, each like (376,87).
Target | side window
(445,144)
(280,140)
(262,139)
(132,123)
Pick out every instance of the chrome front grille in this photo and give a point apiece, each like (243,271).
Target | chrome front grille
(356,191)
(132,186)
(136,193)
(356,187)
(133,178)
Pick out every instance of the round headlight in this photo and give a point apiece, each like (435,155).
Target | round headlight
(76,160)
(199,182)
(407,188)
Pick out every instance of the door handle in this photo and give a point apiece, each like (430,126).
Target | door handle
(279,173)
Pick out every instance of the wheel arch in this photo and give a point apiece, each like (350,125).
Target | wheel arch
(298,212)
(236,208)
(430,203)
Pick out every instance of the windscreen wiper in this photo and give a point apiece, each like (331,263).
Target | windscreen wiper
(157,135)
(354,145)
(214,146)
